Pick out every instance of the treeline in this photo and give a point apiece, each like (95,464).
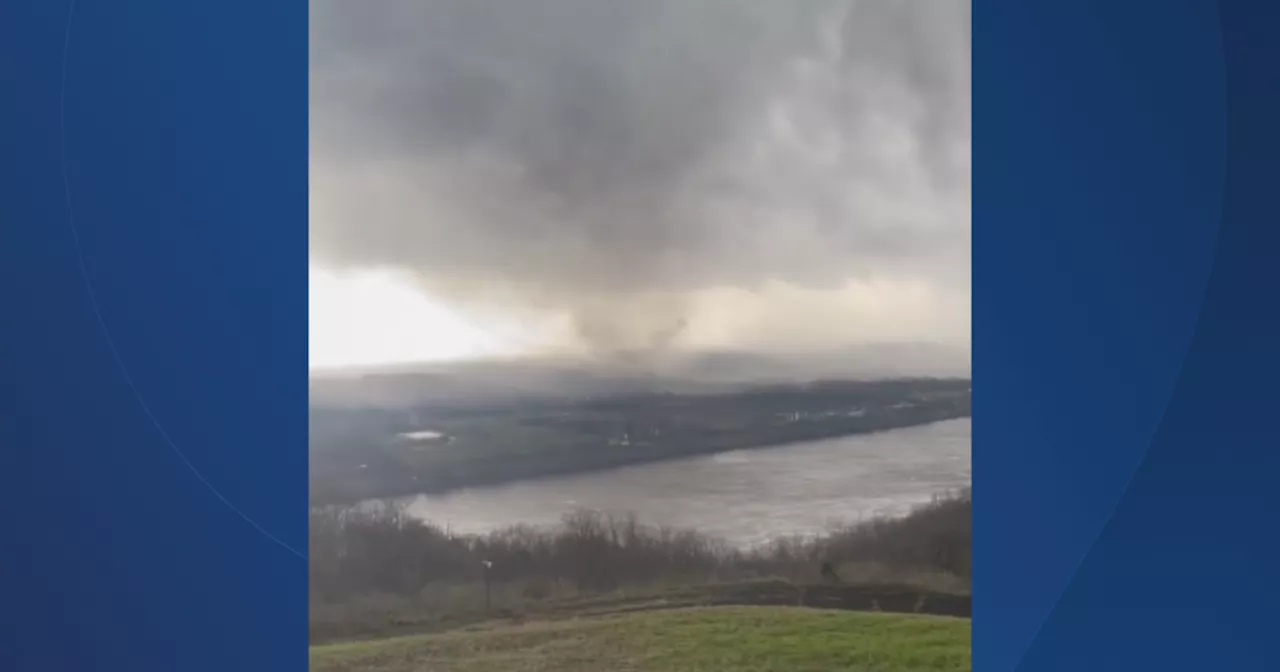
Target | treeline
(361,552)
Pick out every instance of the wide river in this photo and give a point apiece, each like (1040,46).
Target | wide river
(745,496)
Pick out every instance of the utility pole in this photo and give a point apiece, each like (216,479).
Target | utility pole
(487,566)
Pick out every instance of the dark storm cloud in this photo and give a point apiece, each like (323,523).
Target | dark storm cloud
(581,154)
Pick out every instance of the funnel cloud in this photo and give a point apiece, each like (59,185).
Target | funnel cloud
(659,174)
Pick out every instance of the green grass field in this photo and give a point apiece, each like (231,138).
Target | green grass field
(728,639)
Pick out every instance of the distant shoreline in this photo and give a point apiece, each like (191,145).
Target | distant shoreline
(639,458)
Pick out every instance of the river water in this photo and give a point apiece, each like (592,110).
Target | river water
(745,496)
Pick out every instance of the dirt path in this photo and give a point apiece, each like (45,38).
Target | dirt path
(893,599)
(881,598)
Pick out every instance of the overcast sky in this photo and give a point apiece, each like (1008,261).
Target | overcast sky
(657,174)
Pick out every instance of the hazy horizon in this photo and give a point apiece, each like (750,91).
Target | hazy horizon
(711,372)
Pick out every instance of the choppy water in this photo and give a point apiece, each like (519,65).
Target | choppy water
(745,496)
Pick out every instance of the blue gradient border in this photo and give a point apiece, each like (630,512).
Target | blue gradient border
(1125,330)
(153,357)
(153,469)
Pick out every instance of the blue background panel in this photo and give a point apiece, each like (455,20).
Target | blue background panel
(153,341)
(1125,334)
(153,457)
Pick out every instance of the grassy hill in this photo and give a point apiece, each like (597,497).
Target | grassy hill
(737,639)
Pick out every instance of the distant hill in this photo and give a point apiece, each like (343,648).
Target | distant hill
(869,362)
(487,381)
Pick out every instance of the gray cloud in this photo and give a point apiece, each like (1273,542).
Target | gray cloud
(606,158)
